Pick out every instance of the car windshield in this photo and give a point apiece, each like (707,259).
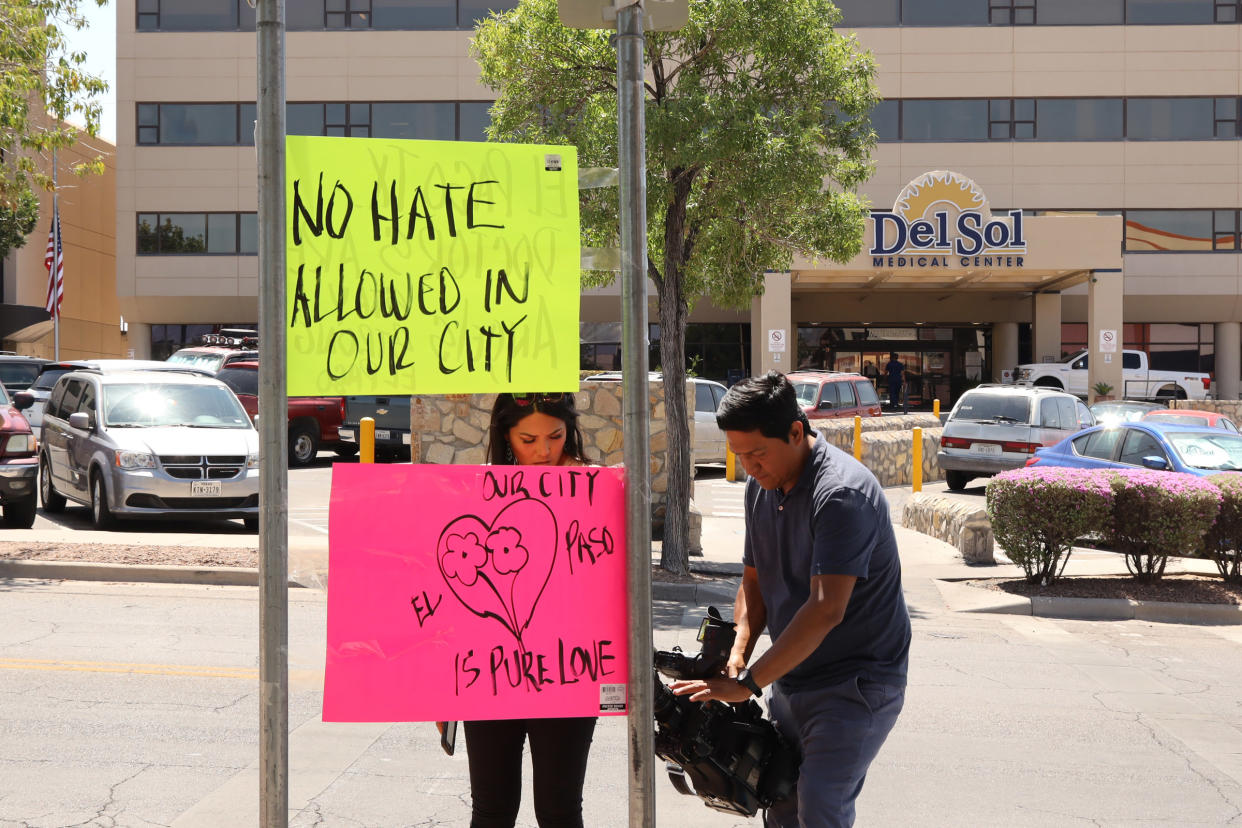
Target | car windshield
(984,406)
(142,405)
(1113,413)
(208,362)
(807,392)
(5,399)
(1208,450)
(18,374)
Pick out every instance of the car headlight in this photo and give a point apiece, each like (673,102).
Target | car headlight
(135,460)
(252,460)
(19,444)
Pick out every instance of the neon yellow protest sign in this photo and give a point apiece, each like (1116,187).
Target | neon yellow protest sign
(431,267)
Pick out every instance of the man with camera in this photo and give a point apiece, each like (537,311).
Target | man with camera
(821,572)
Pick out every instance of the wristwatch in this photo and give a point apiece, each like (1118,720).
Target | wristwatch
(745,679)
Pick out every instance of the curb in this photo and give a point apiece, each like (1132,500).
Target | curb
(132,573)
(1087,609)
(696,594)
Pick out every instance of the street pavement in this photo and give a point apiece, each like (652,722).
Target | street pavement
(137,705)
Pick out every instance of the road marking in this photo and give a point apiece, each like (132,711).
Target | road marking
(314,526)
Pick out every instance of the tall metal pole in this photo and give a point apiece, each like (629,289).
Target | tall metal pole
(52,276)
(273,449)
(636,425)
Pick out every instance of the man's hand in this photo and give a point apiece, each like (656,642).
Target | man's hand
(735,664)
(718,689)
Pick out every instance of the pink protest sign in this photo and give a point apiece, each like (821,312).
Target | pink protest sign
(475,592)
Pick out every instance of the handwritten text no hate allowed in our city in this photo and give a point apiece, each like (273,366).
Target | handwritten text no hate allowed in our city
(351,293)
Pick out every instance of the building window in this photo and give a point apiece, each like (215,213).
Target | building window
(197,124)
(168,339)
(864,13)
(1078,13)
(944,12)
(197,233)
(1011,12)
(1169,230)
(1167,12)
(1079,119)
(1170,119)
(312,15)
(962,119)
(1009,119)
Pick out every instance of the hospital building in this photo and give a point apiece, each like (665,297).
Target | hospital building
(1049,172)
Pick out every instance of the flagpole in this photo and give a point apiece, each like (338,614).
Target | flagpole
(55,264)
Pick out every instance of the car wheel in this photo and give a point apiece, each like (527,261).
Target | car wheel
(252,524)
(53,501)
(101,515)
(957,480)
(20,514)
(303,446)
(346,450)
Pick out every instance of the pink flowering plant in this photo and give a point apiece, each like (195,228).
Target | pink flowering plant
(1038,513)
(1223,542)
(1157,514)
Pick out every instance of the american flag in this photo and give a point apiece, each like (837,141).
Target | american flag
(54,261)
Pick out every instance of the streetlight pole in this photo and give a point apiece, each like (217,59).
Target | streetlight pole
(273,449)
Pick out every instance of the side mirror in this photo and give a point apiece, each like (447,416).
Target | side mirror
(80,420)
(23,400)
(1157,463)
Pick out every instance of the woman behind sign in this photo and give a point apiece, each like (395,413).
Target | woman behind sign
(530,430)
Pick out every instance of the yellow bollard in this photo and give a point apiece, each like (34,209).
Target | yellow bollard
(936,406)
(366,440)
(730,465)
(916,459)
(858,439)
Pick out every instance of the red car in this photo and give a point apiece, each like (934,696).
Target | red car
(314,422)
(1186,416)
(830,394)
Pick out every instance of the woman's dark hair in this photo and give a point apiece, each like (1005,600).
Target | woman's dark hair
(766,404)
(509,410)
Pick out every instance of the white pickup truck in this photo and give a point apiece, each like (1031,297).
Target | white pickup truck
(1140,382)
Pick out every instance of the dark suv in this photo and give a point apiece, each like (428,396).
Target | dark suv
(830,394)
(18,372)
(19,466)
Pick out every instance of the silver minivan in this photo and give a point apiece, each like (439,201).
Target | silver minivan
(148,444)
(994,428)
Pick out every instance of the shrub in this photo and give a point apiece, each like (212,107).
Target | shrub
(1038,513)
(1223,542)
(1157,514)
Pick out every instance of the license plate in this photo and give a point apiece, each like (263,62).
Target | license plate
(985,448)
(346,433)
(205,488)
(383,434)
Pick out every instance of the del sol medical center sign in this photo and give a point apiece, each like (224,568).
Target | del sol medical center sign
(941,220)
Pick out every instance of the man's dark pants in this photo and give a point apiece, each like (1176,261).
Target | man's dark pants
(838,730)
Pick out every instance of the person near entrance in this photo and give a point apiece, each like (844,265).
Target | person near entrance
(896,373)
(821,572)
(872,373)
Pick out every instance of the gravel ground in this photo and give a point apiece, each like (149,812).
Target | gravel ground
(125,554)
(1180,588)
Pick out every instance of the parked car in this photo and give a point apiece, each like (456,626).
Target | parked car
(142,444)
(709,440)
(1113,412)
(18,372)
(1151,445)
(832,394)
(993,428)
(49,372)
(220,349)
(19,466)
(1210,419)
(314,422)
(392,424)
(1139,381)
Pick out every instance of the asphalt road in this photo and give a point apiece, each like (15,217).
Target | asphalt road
(137,705)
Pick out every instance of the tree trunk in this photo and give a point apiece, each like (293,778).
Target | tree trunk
(675,552)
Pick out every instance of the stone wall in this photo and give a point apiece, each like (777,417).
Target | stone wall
(888,445)
(453,429)
(1230,408)
(840,431)
(961,524)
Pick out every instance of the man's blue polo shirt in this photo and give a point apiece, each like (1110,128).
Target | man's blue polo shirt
(834,521)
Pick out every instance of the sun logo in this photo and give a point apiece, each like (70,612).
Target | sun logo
(940,191)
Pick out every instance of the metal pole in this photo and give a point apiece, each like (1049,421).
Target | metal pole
(273,448)
(52,276)
(631,142)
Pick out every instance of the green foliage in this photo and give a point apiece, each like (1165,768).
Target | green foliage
(1157,514)
(1102,388)
(18,221)
(757,138)
(1223,542)
(39,73)
(1037,515)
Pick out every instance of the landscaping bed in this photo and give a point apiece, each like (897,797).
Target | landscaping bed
(1185,588)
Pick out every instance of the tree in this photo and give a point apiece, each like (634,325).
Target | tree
(757,139)
(39,74)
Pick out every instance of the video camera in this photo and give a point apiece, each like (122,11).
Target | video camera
(736,759)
